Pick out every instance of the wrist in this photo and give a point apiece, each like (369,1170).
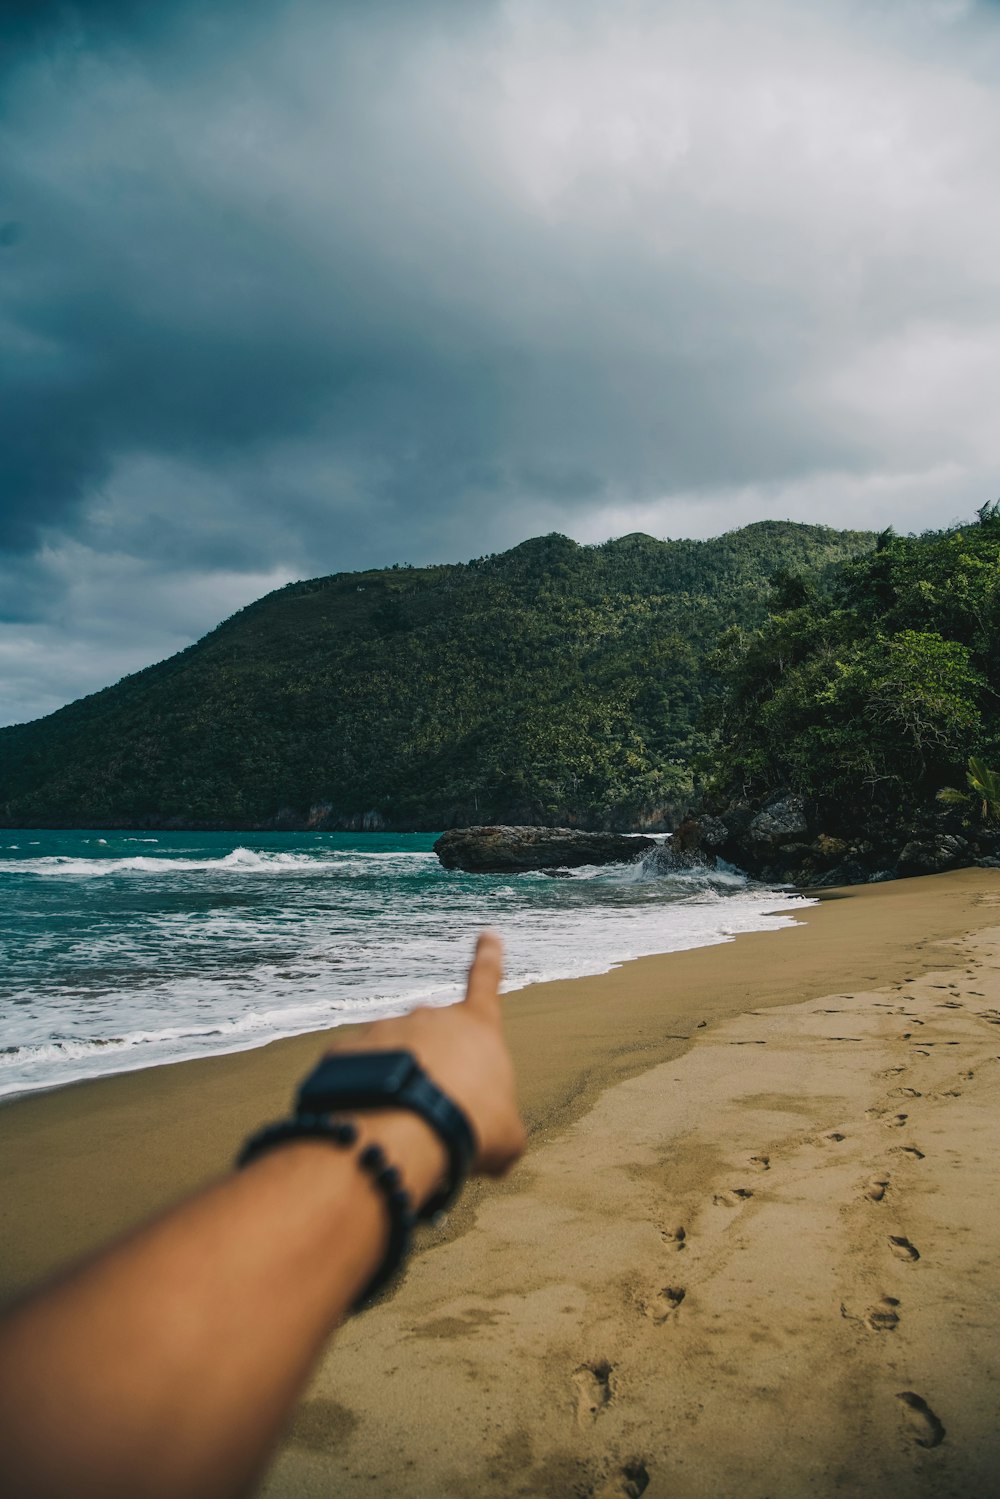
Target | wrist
(410,1144)
(410,1141)
(375,1083)
(394,1164)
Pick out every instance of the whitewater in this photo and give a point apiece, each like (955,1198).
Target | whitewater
(125,950)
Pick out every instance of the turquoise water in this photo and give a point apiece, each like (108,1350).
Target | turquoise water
(119,950)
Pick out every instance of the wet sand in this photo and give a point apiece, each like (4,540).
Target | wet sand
(752,1249)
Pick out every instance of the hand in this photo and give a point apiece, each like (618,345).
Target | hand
(208,1319)
(462,1049)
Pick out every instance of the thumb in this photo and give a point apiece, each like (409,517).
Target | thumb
(483,989)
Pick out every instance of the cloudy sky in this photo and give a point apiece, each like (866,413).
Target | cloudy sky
(291,286)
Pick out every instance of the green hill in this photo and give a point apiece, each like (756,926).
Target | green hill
(553,683)
(868,697)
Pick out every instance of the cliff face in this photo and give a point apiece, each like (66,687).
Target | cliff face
(553,684)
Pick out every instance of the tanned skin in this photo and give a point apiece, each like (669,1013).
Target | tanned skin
(167,1365)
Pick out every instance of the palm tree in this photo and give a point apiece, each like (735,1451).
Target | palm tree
(985,785)
(984,788)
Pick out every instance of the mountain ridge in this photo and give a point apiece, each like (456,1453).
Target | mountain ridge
(553,683)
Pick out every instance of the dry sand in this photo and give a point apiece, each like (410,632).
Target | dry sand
(754,1256)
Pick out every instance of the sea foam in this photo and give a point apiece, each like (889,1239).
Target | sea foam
(116,959)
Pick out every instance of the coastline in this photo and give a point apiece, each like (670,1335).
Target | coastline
(752,1248)
(297,936)
(765,1268)
(166,1129)
(776,911)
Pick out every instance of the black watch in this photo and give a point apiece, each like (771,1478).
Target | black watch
(394,1080)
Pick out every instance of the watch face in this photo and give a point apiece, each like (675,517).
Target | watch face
(355,1079)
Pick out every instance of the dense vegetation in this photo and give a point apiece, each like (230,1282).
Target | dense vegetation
(870,695)
(553,683)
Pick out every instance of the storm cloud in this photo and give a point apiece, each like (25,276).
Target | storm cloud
(289,288)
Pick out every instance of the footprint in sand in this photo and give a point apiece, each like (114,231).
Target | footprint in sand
(664,1303)
(733,1198)
(592,1383)
(902,1248)
(908,1150)
(675,1237)
(760,1162)
(896,1121)
(883,1316)
(631,1482)
(875,1188)
(924,1426)
(835,1136)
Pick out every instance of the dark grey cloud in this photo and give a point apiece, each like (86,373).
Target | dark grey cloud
(289,287)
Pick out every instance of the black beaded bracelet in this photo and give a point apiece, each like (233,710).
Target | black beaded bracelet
(372,1160)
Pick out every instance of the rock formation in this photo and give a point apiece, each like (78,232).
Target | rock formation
(784,842)
(500,850)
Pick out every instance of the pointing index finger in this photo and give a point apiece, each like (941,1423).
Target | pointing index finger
(483,989)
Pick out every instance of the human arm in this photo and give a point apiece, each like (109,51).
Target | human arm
(168,1364)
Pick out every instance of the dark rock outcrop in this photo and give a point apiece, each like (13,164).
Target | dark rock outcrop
(932,855)
(669,858)
(698,835)
(782,821)
(501,850)
(785,842)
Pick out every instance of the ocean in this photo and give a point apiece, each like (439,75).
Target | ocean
(123,950)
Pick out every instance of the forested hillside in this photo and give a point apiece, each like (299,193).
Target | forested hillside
(867,697)
(553,683)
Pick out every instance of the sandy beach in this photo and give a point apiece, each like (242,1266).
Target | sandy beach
(752,1249)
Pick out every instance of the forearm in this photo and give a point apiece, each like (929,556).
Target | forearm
(168,1365)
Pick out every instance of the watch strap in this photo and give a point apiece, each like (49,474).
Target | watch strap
(394,1080)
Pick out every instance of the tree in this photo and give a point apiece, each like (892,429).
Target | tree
(874,687)
(984,785)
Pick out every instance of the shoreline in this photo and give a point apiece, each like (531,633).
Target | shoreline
(766,1267)
(171,1127)
(302,955)
(785,905)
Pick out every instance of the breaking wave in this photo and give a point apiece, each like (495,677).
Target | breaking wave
(239,861)
(116,958)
